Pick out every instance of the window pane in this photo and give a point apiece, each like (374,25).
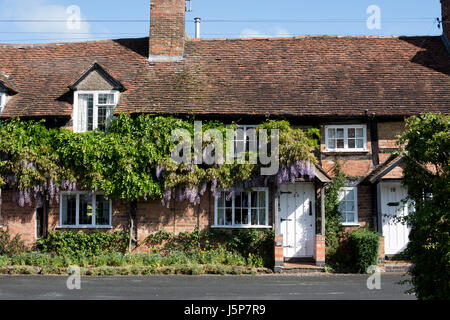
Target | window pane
(238,216)
(107,98)
(221,217)
(340,133)
(85,209)
(351,132)
(350,206)
(85,112)
(262,199)
(102,211)
(351,144)
(331,133)
(221,201)
(331,144)
(360,143)
(262,217)
(254,199)
(254,214)
(69,207)
(360,133)
(350,218)
(340,144)
(350,195)
(229,217)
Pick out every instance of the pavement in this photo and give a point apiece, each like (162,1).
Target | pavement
(267,287)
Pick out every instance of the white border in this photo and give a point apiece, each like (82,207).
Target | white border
(76,113)
(346,127)
(77,214)
(243,226)
(355,201)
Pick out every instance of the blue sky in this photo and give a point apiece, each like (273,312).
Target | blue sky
(318,17)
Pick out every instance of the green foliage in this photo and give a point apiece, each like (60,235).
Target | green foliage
(332,213)
(254,245)
(8,245)
(73,244)
(364,246)
(123,160)
(426,147)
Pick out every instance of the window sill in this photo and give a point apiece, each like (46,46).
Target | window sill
(351,224)
(241,227)
(346,151)
(84,227)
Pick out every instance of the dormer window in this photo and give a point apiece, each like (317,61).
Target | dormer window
(96,95)
(94,109)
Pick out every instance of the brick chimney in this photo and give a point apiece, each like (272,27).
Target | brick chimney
(167,30)
(445,18)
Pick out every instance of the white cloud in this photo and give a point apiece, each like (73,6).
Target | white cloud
(274,32)
(43,10)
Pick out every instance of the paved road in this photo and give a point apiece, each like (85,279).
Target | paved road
(271,287)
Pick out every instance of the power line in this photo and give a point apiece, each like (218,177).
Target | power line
(223,20)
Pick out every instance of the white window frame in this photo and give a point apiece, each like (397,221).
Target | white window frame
(243,226)
(341,197)
(346,128)
(95,93)
(245,128)
(2,101)
(77,213)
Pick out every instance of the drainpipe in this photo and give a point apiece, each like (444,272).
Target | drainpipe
(197,28)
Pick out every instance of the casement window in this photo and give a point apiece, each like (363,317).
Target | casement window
(346,138)
(244,210)
(2,101)
(348,205)
(85,210)
(93,109)
(245,139)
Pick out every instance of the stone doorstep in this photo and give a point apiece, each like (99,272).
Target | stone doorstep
(301,268)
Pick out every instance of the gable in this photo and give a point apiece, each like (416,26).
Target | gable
(94,81)
(96,78)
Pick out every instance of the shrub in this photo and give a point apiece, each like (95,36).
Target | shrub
(82,244)
(426,144)
(8,245)
(364,246)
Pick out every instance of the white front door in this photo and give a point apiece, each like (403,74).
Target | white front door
(297,219)
(396,234)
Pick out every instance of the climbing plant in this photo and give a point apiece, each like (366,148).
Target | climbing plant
(132,160)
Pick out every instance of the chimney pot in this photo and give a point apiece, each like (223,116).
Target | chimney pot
(197,27)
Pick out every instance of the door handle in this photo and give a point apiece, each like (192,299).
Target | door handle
(283,220)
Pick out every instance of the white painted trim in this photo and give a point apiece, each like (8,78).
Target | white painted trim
(95,94)
(77,211)
(355,201)
(165,58)
(244,226)
(346,148)
(2,101)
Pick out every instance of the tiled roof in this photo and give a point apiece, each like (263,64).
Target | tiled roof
(305,76)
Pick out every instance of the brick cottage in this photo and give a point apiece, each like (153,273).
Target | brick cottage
(357,90)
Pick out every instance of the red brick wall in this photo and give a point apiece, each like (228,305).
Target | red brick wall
(18,220)
(167,27)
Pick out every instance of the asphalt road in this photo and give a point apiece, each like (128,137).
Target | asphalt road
(271,287)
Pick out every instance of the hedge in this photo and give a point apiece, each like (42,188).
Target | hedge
(365,247)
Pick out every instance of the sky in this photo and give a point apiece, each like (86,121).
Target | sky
(220,19)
